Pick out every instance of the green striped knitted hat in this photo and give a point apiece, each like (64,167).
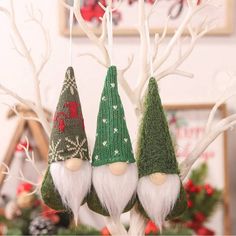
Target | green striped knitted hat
(155,149)
(68,138)
(112,141)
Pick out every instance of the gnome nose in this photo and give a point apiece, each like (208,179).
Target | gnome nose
(118,168)
(73,164)
(158,178)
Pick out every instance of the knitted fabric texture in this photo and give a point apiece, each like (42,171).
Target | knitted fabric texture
(178,209)
(155,151)
(95,205)
(50,195)
(68,138)
(112,141)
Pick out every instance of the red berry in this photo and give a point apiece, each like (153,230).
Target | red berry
(209,189)
(190,203)
(105,231)
(24,187)
(199,217)
(204,231)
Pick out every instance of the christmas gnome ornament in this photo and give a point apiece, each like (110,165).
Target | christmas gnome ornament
(68,177)
(115,173)
(160,192)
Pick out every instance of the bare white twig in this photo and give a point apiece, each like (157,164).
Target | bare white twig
(115,227)
(21,177)
(99,42)
(212,131)
(25,52)
(30,157)
(93,57)
(137,222)
(21,116)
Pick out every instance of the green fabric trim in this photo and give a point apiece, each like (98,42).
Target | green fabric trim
(49,193)
(51,196)
(95,205)
(155,151)
(68,138)
(178,209)
(112,141)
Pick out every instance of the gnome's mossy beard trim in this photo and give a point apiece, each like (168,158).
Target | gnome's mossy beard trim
(156,155)
(112,194)
(49,193)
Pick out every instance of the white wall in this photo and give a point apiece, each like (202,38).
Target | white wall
(211,55)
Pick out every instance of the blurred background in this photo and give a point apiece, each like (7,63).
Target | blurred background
(212,62)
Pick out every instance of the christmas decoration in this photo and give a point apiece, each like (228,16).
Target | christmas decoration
(41,226)
(160,191)
(115,171)
(68,155)
(202,201)
(54,180)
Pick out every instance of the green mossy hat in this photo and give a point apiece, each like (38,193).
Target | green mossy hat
(155,149)
(112,141)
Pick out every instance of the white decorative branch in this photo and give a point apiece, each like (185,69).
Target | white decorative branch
(115,227)
(21,177)
(137,223)
(30,157)
(21,116)
(212,131)
(23,50)
(99,42)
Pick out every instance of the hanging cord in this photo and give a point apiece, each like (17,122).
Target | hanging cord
(71,18)
(109,22)
(149,52)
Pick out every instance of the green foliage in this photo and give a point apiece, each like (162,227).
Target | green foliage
(177,231)
(80,230)
(202,199)
(199,175)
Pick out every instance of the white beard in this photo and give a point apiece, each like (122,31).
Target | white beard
(114,192)
(158,200)
(72,186)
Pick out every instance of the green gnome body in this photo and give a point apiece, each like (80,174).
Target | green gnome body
(160,192)
(68,156)
(112,147)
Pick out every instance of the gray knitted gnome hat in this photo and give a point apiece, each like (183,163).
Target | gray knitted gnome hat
(68,138)
(155,149)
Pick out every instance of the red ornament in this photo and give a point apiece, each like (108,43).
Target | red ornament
(24,187)
(193,225)
(199,217)
(192,188)
(151,228)
(189,184)
(50,214)
(20,147)
(189,203)
(204,231)
(209,189)
(105,231)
